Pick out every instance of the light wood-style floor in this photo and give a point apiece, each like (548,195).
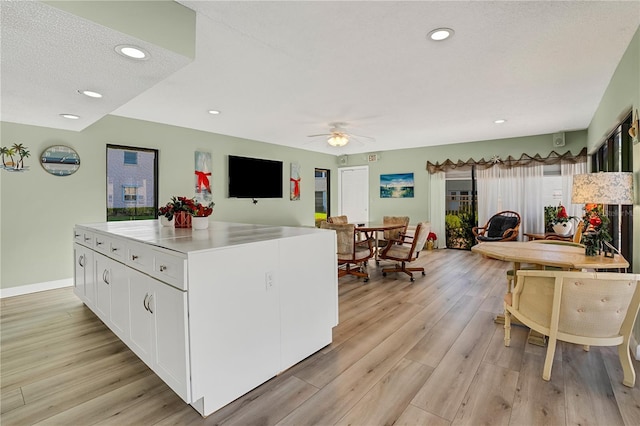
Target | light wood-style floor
(424,353)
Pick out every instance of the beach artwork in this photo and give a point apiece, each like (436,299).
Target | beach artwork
(397,185)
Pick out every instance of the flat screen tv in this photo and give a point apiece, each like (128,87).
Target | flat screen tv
(254,178)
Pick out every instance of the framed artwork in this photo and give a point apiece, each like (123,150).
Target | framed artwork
(60,160)
(398,185)
(132,183)
(202,172)
(294,192)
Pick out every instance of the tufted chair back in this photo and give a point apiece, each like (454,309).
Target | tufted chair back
(586,308)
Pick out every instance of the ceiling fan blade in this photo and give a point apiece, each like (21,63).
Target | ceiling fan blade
(321,134)
(362,136)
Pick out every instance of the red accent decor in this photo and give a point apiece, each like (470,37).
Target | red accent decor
(203,181)
(296,187)
(182,220)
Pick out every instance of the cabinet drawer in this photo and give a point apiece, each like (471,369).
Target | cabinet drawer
(83,237)
(170,269)
(140,257)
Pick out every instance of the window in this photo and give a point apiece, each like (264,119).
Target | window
(130,158)
(132,183)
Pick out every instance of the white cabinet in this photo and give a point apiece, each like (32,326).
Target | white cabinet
(112,294)
(214,313)
(159,330)
(84,277)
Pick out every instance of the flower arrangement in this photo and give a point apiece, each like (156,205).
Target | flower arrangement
(596,228)
(562,216)
(432,236)
(187,205)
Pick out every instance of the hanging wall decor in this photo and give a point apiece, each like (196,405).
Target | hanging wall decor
(203,176)
(397,185)
(60,160)
(294,193)
(13,157)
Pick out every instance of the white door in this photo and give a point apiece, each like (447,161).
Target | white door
(353,195)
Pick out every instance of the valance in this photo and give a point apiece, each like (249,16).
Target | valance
(524,160)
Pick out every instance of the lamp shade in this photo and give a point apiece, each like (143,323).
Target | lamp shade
(603,188)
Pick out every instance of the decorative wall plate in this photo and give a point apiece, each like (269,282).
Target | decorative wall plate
(60,160)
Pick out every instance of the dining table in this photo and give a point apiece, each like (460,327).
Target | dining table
(565,257)
(372,230)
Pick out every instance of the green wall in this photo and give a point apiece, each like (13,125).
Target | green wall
(415,160)
(38,210)
(622,94)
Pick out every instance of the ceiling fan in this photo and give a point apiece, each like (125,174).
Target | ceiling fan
(339,136)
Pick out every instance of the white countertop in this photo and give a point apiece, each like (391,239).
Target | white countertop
(185,240)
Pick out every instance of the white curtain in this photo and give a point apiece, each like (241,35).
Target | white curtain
(518,189)
(437,206)
(567,170)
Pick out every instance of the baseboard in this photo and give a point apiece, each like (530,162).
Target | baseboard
(34,288)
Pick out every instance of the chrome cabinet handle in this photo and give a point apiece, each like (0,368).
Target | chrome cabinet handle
(163,268)
(144,302)
(76,235)
(99,243)
(81,261)
(87,238)
(105,276)
(149,303)
(134,257)
(114,249)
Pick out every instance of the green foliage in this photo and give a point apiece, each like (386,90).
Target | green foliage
(458,229)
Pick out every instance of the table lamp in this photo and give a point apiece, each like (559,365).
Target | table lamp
(612,188)
(603,188)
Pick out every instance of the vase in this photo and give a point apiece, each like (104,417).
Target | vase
(182,220)
(165,222)
(430,245)
(200,222)
(563,228)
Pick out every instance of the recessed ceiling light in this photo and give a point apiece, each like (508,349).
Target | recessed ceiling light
(133,52)
(214,112)
(70,116)
(90,93)
(499,121)
(440,34)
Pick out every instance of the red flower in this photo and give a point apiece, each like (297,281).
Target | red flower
(562,213)
(595,221)
(432,236)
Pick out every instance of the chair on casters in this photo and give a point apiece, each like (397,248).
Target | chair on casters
(393,234)
(585,308)
(406,250)
(501,226)
(337,219)
(350,249)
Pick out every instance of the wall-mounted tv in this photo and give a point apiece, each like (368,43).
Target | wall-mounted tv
(254,178)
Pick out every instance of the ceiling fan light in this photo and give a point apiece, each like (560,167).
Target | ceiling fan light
(338,140)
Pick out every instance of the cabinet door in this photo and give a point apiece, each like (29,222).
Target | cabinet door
(140,321)
(80,268)
(167,306)
(119,314)
(103,288)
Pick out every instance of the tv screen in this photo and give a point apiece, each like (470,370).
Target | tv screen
(254,178)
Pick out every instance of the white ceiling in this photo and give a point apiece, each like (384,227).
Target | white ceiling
(279,71)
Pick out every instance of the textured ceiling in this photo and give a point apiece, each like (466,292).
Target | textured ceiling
(279,71)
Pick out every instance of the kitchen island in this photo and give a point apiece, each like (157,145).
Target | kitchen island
(213,312)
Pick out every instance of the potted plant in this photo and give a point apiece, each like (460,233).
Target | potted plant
(431,240)
(596,229)
(562,224)
(183,209)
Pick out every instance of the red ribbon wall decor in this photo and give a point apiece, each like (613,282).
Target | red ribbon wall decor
(203,181)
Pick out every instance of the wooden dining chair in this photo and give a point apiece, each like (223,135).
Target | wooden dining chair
(406,250)
(585,308)
(337,219)
(393,234)
(351,249)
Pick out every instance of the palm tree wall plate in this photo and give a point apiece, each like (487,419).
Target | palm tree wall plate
(13,157)
(60,160)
